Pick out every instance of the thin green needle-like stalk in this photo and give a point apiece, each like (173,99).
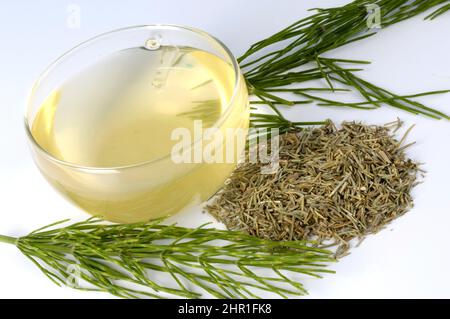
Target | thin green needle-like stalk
(128,260)
(8,240)
(283,62)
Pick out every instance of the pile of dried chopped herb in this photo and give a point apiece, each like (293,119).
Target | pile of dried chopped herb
(333,185)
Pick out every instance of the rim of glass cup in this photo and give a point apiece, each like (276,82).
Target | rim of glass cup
(80,46)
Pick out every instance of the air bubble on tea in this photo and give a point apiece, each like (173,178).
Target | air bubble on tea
(153,44)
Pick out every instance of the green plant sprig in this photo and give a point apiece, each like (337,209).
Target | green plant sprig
(127,260)
(328,29)
(271,72)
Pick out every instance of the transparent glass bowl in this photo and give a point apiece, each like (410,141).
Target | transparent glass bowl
(150,189)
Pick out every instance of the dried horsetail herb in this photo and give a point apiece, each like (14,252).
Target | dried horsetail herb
(332,185)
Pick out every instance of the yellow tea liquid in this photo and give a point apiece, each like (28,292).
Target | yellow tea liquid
(113,123)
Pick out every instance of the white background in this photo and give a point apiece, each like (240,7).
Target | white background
(408,259)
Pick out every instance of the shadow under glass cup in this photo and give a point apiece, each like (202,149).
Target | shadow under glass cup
(139,123)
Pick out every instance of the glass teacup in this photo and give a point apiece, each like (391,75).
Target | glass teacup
(139,123)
